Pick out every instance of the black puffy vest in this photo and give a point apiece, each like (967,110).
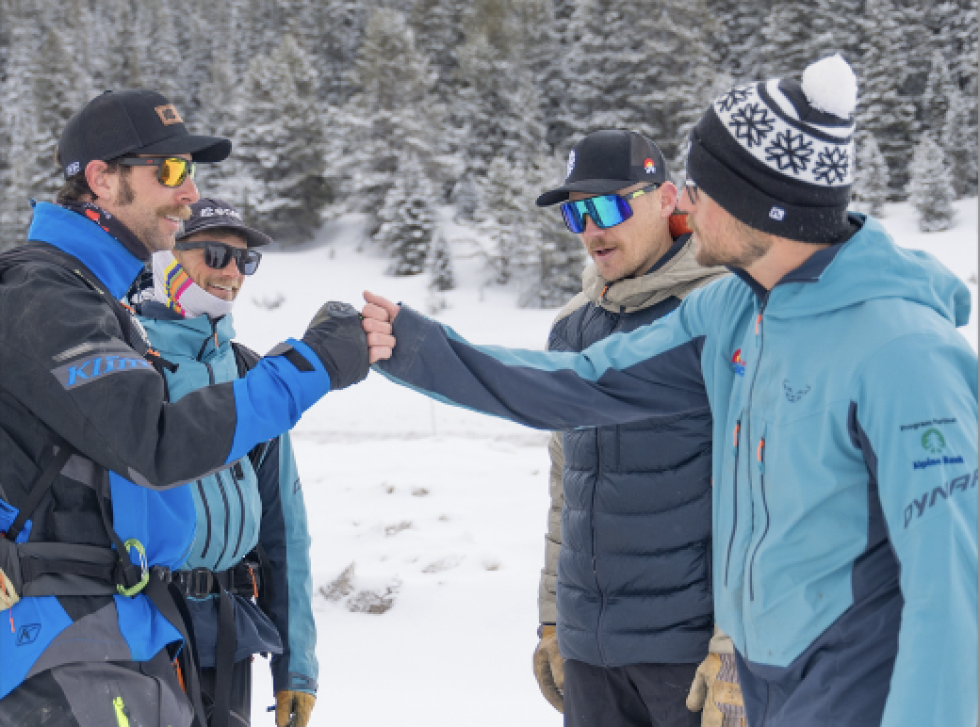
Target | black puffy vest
(634,574)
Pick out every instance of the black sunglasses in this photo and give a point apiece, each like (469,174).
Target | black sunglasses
(217,255)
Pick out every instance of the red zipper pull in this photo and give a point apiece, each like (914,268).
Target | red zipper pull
(758,321)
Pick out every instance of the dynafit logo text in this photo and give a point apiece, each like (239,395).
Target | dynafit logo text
(941,494)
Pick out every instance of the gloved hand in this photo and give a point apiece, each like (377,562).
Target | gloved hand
(716,693)
(336,336)
(293,708)
(549,668)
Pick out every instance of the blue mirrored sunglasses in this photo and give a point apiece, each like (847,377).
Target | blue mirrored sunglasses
(607,210)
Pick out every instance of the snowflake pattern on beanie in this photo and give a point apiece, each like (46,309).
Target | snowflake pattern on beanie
(769,128)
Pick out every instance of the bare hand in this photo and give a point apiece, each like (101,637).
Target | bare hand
(377,316)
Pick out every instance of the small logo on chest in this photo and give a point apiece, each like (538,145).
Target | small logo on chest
(793,395)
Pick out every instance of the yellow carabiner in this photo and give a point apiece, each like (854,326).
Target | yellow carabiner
(144,579)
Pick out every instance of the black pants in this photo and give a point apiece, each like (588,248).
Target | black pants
(241,692)
(640,695)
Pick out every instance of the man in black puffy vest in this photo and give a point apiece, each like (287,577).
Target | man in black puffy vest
(627,573)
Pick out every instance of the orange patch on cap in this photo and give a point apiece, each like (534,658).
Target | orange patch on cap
(168,114)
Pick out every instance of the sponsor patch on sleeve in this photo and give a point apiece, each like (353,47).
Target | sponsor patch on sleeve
(87,370)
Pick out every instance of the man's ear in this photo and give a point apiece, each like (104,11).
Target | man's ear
(668,199)
(100,181)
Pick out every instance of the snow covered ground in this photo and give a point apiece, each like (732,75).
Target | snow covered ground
(440,512)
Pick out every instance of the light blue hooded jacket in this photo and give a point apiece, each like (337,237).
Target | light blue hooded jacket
(238,508)
(844,461)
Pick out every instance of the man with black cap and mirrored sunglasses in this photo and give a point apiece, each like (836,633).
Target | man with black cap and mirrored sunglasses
(844,406)
(95,509)
(624,602)
(260,563)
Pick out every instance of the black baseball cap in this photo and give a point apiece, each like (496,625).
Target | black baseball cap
(212,213)
(606,161)
(137,121)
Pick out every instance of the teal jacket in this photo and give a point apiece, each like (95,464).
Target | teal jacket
(844,460)
(238,507)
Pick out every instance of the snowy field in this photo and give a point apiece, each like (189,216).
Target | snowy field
(441,512)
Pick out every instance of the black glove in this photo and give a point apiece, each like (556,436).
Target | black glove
(336,336)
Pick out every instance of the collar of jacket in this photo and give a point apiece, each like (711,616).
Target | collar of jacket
(675,277)
(186,336)
(81,238)
(868,266)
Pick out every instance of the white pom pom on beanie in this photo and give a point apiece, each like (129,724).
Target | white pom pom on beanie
(778,155)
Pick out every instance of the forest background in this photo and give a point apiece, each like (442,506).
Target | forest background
(408,110)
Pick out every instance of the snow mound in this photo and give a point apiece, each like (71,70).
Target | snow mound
(830,85)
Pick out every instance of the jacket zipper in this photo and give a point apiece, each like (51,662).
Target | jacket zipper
(217,475)
(748,416)
(224,498)
(731,538)
(595,569)
(761,457)
(207,518)
(241,519)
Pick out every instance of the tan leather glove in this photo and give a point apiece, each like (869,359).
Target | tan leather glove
(716,693)
(293,708)
(549,668)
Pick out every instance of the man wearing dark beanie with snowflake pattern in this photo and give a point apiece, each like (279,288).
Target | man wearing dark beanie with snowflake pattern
(845,417)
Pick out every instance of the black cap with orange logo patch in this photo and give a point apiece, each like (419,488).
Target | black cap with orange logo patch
(120,123)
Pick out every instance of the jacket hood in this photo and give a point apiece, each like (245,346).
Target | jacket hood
(188,336)
(867,267)
(677,277)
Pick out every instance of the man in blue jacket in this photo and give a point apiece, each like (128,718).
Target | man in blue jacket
(250,514)
(845,417)
(626,588)
(95,506)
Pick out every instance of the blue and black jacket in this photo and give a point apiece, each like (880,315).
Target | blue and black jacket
(69,376)
(240,507)
(845,493)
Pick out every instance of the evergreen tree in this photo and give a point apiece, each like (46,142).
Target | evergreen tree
(57,93)
(503,215)
(438,29)
(870,191)
(407,219)
(388,117)
(127,45)
(736,41)
(612,69)
(466,198)
(959,143)
(630,67)
(281,147)
(882,110)
(930,189)
(530,245)
(17,129)
(954,24)
(441,266)
(334,30)
(795,34)
(934,102)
